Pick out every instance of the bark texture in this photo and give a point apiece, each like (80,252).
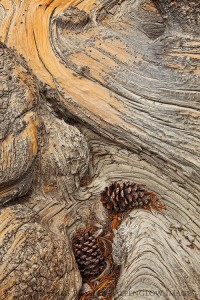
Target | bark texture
(109,91)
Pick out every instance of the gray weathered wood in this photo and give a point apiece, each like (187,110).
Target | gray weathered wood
(112,93)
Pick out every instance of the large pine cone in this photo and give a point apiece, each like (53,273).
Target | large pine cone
(88,254)
(119,198)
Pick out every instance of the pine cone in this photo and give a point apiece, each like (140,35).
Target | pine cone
(88,254)
(119,198)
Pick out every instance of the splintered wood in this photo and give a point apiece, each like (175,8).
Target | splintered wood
(94,92)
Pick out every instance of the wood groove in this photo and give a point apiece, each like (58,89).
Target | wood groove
(132,105)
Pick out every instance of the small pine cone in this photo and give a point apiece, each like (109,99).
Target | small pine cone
(119,198)
(88,255)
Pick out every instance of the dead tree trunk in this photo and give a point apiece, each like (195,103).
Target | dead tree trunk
(95,91)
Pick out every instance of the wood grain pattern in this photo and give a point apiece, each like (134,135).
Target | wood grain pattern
(34,261)
(19,131)
(111,92)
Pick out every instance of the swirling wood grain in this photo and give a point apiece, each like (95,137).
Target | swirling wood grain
(129,71)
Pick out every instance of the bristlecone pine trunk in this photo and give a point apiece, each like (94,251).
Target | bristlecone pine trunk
(93,92)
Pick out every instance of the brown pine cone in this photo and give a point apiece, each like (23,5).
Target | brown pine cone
(88,254)
(119,198)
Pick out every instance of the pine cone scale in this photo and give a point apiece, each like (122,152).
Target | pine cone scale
(88,255)
(118,198)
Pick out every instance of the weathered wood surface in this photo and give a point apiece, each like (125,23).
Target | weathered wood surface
(129,71)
